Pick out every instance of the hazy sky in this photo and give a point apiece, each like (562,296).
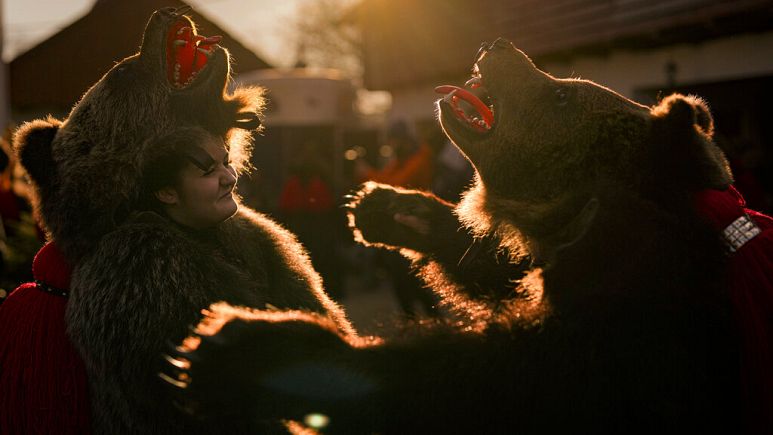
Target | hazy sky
(261,25)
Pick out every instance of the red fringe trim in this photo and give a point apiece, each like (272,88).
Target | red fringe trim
(43,384)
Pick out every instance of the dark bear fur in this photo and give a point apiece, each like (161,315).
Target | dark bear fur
(618,318)
(86,175)
(139,280)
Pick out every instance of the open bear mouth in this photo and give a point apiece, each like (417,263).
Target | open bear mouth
(472,105)
(187,53)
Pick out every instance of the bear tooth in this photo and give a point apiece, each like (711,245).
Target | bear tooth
(179,42)
(206,53)
(449,98)
(177,67)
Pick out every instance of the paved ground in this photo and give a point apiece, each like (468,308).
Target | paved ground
(370,308)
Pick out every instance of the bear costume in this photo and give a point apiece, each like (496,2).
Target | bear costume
(616,316)
(138,279)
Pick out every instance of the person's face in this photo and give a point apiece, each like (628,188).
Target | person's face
(203,195)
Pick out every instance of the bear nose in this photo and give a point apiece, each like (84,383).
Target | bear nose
(183,10)
(500,43)
(173,12)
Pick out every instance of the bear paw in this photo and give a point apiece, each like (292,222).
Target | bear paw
(396,218)
(239,358)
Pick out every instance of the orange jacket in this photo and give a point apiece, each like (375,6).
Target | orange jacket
(415,171)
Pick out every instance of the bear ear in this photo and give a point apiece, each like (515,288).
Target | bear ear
(686,150)
(679,109)
(32,144)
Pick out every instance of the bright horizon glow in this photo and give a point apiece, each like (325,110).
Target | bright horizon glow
(260,25)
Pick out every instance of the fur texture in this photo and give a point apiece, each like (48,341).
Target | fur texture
(617,321)
(86,169)
(472,275)
(148,280)
(139,280)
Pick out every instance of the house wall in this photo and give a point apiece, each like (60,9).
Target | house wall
(297,97)
(733,58)
(629,72)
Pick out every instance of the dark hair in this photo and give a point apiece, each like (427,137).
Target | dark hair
(164,161)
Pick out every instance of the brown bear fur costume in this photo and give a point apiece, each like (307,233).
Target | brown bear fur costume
(139,280)
(617,318)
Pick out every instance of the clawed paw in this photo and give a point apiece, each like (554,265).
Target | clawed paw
(233,350)
(176,375)
(392,217)
(188,367)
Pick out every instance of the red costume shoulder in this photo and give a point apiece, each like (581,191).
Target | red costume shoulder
(43,385)
(749,237)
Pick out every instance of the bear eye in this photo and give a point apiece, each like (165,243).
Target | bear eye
(561,96)
(120,70)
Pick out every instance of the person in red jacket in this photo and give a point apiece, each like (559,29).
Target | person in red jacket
(411,164)
(307,206)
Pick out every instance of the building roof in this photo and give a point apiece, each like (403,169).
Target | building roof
(54,74)
(408,42)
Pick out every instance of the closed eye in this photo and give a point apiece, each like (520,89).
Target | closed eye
(211,169)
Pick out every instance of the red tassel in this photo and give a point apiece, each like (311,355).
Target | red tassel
(43,384)
(750,271)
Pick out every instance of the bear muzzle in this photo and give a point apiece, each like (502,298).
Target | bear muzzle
(172,46)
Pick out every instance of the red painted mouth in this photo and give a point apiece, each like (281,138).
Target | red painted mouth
(468,104)
(187,53)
